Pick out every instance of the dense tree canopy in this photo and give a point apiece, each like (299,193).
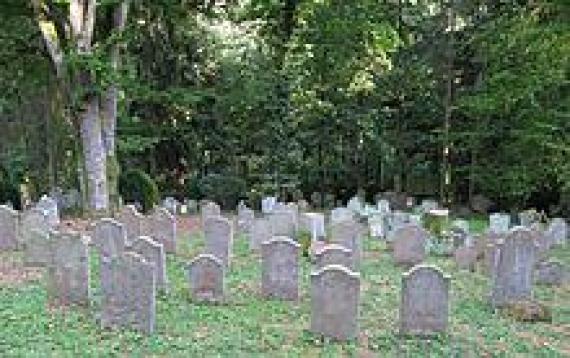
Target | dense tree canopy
(450,99)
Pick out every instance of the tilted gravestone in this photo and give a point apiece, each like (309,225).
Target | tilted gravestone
(153,252)
(206,275)
(551,272)
(133,221)
(512,278)
(109,238)
(35,228)
(334,255)
(557,232)
(335,297)
(131,299)
(424,307)
(162,229)
(283,223)
(245,219)
(9,237)
(218,233)
(280,268)
(261,232)
(409,245)
(68,269)
(347,233)
(209,209)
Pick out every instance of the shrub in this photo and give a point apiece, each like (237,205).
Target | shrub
(137,186)
(226,190)
(304,239)
(9,192)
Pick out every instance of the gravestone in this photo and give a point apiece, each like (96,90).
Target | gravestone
(206,275)
(153,252)
(282,223)
(130,300)
(347,234)
(218,233)
(209,210)
(428,205)
(245,219)
(466,257)
(162,228)
(341,214)
(499,223)
(528,217)
(551,272)
(313,223)
(267,204)
(68,269)
(377,226)
(355,205)
(333,255)
(409,246)
(280,268)
(512,278)
(108,238)
(132,221)
(335,297)
(35,228)
(383,206)
(49,207)
(9,238)
(171,204)
(397,220)
(557,231)
(261,232)
(424,307)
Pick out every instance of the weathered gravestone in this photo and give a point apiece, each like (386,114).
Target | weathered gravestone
(218,233)
(409,247)
(383,206)
(245,219)
(267,204)
(130,300)
(335,296)
(334,255)
(377,226)
(283,223)
(341,214)
(499,223)
(280,268)
(261,232)
(171,204)
(35,229)
(206,275)
(153,252)
(512,278)
(209,210)
(68,269)
(529,217)
(109,238)
(424,307)
(347,234)
(49,207)
(466,257)
(9,238)
(551,273)
(133,222)
(557,232)
(355,205)
(162,228)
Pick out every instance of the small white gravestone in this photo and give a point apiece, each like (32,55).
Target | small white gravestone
(499,223)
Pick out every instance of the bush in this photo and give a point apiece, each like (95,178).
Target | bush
(137,186)
(9,192)
(226,190)
(304,239)
(192,187)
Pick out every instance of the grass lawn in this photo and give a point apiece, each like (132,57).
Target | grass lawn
(249,326)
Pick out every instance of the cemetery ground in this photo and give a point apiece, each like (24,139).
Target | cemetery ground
(247,325)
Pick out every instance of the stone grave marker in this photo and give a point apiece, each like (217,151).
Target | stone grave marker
(218,233)
(35,229)
(347,234)
(424,307)
(245,219)
(108,238)
(130,301)
(335,297)
(551,272)
(162,228)
(282,223)
(49,207)
(409,247)
(206,275)
(333,255)
(499,223)
(261,232)
(132,221)
(68,269)
(512,278)
(208,210)
(557,232)
(280,268)
(9,225)
(153,252)
(466,257)
(341,214)
(171,204)
(313,223)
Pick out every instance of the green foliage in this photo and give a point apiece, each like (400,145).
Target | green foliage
(303,237)
(226,190)
(137,186)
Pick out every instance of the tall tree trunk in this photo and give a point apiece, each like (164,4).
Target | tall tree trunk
(109,111)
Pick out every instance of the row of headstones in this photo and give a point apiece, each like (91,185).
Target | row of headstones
(335,289)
